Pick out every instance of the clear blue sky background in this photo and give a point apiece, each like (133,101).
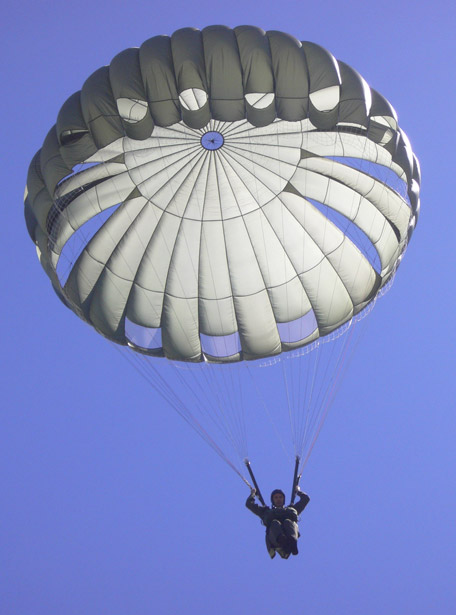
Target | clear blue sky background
(111,505)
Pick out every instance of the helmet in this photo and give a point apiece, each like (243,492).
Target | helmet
(277,491)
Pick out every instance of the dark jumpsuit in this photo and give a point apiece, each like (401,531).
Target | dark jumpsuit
(279,520)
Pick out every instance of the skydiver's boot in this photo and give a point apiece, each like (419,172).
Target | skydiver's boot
(293,545)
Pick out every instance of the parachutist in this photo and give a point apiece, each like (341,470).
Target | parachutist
(281,521)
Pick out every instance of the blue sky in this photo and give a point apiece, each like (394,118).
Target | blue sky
(111,504)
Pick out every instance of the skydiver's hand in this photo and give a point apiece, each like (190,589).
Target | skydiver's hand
(298,490)
(253,492)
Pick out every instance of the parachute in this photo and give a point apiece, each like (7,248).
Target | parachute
(220,199)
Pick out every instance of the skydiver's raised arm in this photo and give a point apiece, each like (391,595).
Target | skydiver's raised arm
(255,508)
(303,501)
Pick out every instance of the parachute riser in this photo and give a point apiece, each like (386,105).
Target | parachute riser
(296,479)
(255,484)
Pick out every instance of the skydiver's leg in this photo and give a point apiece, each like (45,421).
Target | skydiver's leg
(276,534)
(290,528)
(291,531)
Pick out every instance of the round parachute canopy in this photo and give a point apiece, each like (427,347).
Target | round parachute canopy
(222,195)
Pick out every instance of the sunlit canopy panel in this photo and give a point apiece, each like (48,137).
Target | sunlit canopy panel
(222,195)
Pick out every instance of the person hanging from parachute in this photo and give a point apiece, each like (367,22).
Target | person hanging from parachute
(282,531)
(281,521)
(215,199)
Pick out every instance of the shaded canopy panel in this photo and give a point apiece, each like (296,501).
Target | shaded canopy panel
(222,195)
